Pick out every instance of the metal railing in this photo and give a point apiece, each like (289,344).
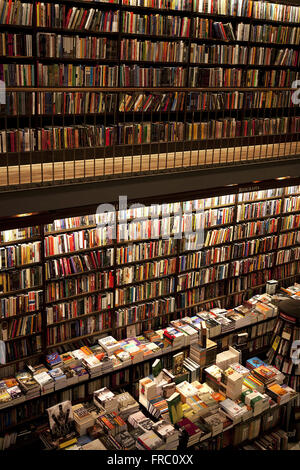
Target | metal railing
(52,136)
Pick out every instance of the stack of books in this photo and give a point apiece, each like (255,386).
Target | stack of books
(112,423)
(185,389)
(256,400)
(83,419)
(213,327)
(93,365)
(233,382)
(81,373)
(127,405)
(28,384)
(192,367)
(226,358)
(193,431)
(158,407)
(109,344)
(168,434)
(68,359)
(213,376)
(254,362)
(126,441)
(216,422)
(45,381)
(54,360)
(59,377)
(265,375)
(149,441)
(240,369)
(191,334)
(10,392)
(280,393)
(233,410)
(175,337)
(139,420)
(123,356)
(106,400)
(253,383)
(198,354)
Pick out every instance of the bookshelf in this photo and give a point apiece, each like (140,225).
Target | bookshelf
(85,282)
(184,93)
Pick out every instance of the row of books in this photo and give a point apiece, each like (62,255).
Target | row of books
(83,306)
(59,290)
(209,29)
(20,279)
(92,260)
(20,304)
(142,272)
(84,136)
(291,204)
(236,55)
(15,12)
(222,77)
(81,327)
(158,25)
(21,13)
(144,291)
(18,234)
(17,255)
(142,251)
(224,271)
(23,348)
(204,258)
(287,239)
(261,227)
(104,280)
(232,128)
(21,327)
(79,240)
(135,75)
(89,305)
(63,17)
(77,75)
(256,210)
(145,311)
(262,194)
(75,103)
(24,103)
(181,5)
(159,51)
(263,10)
(52,45)
(290,222)
(15,45)
(17,74)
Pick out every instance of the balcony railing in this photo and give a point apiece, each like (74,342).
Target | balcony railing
(52,136)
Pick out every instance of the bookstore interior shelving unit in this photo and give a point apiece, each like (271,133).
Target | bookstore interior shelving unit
(97,89)
(109,88)
(68,282)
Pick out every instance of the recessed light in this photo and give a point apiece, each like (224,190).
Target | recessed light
(27,214)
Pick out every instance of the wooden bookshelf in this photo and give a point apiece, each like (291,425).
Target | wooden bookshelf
(220,291)
(44,166)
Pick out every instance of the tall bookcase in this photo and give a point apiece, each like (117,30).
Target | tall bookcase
(271,253)
(223,92)
(88,283)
